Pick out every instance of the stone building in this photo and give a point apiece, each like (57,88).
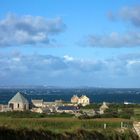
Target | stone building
(18,103)
(74,99)
(83,100)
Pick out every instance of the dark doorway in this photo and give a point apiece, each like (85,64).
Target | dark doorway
(11,106)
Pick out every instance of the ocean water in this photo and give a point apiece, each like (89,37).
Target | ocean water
(96,95)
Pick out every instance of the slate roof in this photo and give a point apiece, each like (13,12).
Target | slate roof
(19,98)
(67,108)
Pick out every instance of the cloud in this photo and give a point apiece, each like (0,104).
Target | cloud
(129,38)
(114,40)
(30,69)
(68,58)
(127,13)
(111,16)
(131,14)
(28,30)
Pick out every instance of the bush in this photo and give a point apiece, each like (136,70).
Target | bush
(79,134)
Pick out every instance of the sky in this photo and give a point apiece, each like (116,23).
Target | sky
(70,43)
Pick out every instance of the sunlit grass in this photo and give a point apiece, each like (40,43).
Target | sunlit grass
(61,124)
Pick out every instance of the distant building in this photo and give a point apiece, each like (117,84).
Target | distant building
(67,109)
(49,104)
(40,110)
(18,103)
(59,101)
(4,108)
(37,103)
(74,99)
(89,112)
(103,108)
(83,100)
(128,103)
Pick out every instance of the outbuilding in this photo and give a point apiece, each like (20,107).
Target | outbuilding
(18,103)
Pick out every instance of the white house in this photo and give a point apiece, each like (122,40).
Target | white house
(84,100)
(37,103)
(18,103)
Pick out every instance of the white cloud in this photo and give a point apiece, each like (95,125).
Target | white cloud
(27,30)
(114,40)
(131,14)
(37,69)
(131,62)
(127,14)
(68,58)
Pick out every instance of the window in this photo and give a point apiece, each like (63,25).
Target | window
(11,106)
(24,106)
(18,105)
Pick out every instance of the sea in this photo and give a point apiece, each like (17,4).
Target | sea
(96,95)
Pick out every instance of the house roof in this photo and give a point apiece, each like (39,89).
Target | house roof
(84,96)
(67,108)
(75,96)
(19,98)
(37,101)
(104,106)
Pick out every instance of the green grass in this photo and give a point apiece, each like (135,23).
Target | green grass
(136,114)
(61,124)
(57,122)
(28,125)
(29,114)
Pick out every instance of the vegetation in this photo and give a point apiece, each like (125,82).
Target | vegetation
(91,106)
(79,134)
(136,114)
(29,114)
(62,124)
(28,125)
(20,114)
(112,105)
(131,111)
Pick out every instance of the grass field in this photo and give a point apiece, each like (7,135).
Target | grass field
(62,124)
(28,125)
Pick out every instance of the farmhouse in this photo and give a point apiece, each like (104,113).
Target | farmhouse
(18,103)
